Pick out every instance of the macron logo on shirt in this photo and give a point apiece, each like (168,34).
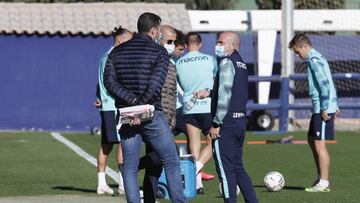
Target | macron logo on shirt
(194,58)
(241,65)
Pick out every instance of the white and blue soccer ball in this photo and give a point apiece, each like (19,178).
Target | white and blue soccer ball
(221,192)
(274,181)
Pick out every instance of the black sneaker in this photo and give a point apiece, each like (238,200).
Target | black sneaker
(200,191)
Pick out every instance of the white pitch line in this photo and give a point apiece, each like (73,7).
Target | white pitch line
(110,172)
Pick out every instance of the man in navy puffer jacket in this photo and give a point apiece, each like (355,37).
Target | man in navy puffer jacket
(134,74)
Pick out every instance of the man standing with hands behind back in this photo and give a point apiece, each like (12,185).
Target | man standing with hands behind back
(134,74)
(228,108)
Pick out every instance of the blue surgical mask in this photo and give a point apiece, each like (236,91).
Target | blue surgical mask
(220,51)
(158,40)
(169,48)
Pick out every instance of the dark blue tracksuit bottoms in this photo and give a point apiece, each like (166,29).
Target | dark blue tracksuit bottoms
(227,151)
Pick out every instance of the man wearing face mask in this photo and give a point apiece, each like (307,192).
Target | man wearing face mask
(135,73)
(168,92)
(228,108)
(151,160)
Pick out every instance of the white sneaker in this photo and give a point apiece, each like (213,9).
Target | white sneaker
(105,189)
(121,190)
(141,196)
(317,188)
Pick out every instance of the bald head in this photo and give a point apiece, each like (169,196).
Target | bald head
(231,38)
(167,28)
(168,35)
(230,41)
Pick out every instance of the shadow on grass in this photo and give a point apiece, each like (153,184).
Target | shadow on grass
(285,188)
(293,188)
(71,188)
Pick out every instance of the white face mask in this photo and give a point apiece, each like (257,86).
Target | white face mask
(169,48)
(158,40)
(220,51)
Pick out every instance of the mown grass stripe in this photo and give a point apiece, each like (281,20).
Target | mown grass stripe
(110,172)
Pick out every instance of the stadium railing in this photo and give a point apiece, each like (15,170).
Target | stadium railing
(283,106)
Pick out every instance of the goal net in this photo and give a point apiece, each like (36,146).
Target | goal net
(340,46)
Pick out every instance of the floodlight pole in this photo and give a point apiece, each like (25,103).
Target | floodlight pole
(287,59)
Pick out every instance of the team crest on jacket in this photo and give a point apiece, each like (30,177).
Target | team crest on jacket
(241,65)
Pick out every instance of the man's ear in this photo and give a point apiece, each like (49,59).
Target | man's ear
(153,31)
(233,45)
(118,40)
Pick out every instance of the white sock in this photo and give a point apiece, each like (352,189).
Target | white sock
(121,181)
(324,183)
(199,166)
(199,181)
(101,179)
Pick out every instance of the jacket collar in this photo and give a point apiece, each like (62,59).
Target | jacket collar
(143,36)
(234,53)
(311,53)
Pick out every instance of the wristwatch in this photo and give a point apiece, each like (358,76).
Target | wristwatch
(209,90)
(215,125)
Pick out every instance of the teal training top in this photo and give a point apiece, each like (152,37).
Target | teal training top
(107,101)
(226,82)
(321,86)
(196,71)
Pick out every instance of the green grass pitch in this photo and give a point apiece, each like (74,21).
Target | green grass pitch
(34,164)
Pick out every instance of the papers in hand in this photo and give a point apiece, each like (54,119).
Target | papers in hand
(142,112)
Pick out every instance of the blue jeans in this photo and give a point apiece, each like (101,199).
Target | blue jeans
(157,134)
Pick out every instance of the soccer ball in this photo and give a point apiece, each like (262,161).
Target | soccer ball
(237,190)
(95,130)
(274,181)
